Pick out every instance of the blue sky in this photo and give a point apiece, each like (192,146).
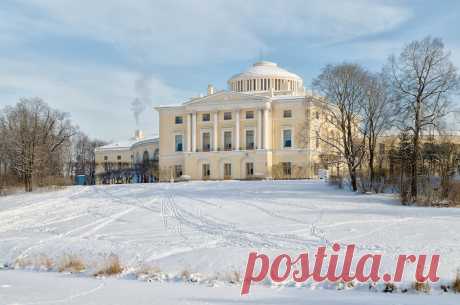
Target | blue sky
(93,58)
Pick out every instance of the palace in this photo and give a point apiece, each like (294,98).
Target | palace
(264,126)
(132,161)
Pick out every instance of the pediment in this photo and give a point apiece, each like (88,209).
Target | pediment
(223,97)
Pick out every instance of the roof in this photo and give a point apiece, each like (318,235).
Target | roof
(127,145)
(266,69)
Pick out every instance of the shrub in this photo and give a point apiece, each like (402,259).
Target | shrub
(389,288)
(149,273)
(185,275)
(41,261)
(112,267)
(454,194)
(71,264)
(456,283)
(234,277)
(422,287)
(336,181)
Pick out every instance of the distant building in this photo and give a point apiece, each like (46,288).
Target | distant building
(132,161)
(264,126)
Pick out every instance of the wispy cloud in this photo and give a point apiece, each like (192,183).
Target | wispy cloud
(195,32)
(87,56)
(98,97)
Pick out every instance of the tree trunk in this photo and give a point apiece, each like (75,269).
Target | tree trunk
(353,181)
(371,168)
(414,167)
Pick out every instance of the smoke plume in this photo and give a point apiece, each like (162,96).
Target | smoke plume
(142,87)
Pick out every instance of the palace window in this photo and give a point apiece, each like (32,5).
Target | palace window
(106,158)
(249,115)
(227,116)
(206,141)
(118,158)
(177,171)
(145,156)
(317,115)
(206,117)
(206,171)
(287,114)
(227,170)
(250,139)
(287,138)
(287,169)
(179,119)
(227,140)
(178,142)
(249,169)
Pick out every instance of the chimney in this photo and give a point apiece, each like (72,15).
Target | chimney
(210,89)
(138,134)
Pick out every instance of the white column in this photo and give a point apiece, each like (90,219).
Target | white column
(237,129)
(215,131)
(194,132)
(259,128)
(266,129)
(189,132)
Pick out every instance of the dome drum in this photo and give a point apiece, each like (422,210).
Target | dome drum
(266,77)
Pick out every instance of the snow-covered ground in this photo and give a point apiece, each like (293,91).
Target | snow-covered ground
(203,231)
(26,288)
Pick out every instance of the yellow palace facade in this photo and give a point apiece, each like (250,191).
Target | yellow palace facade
(264,126)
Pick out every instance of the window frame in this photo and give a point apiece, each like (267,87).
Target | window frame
(249,173)
(254,139)
(227,174)
(224,131)
(286,168)
(207,115)
(283,140)
(206,174)
(246,115)
(176,143)
(181,119)
(226,118)
(202,133)
(287,111)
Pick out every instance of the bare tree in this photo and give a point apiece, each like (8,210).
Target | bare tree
(34,134)
(83,157)
(377,112)
(423,79)
(343,87)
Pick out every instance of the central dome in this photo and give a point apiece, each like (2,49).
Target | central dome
(266,76)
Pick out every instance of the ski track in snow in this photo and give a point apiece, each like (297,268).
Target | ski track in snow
(211,226)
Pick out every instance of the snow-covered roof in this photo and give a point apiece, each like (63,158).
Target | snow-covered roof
(266,69)
(127,145)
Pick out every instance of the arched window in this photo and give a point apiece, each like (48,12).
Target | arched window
(145,156)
